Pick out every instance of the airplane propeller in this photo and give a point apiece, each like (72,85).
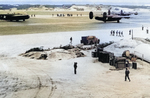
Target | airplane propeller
(104,16)
(91,15)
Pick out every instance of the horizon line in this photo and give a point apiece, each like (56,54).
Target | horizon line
(148,4)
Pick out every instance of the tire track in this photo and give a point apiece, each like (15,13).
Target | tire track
(52,89)
(39,87)
(53,85)
(40,83)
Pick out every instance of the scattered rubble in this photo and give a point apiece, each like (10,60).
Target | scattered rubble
(35,55)
(35,49)
(57,53)
(105,44)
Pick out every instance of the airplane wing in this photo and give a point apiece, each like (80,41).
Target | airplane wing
(118,16)
(104,17)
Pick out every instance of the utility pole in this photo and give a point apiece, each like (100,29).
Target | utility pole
(132,34)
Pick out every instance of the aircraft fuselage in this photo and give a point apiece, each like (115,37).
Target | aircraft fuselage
(108,19)
(13,17)
(104,17)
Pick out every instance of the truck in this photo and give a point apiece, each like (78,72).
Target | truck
(89,40)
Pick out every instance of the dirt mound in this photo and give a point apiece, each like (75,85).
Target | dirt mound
(35,55)
(59,55)
(34,49)
(54,54)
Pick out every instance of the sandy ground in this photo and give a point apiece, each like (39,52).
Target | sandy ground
(29,78)
(22,77)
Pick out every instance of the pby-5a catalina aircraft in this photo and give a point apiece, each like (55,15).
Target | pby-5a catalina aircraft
(14,17)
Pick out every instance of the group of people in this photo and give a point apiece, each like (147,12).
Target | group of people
(32,15)
(68,15)
(59,15)
(117,33)
(127,72)
(147,31)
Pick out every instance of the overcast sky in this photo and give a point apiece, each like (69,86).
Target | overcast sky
(75,2)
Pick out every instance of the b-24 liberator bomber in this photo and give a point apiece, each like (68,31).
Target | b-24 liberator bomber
(102,16)
(106,16)
(14,17)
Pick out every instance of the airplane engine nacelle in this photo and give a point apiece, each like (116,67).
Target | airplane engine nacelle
(91,15)
(104,16)
(97,14)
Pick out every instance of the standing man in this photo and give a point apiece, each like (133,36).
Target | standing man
(142,27)
(127,64)
(114,33)
(122,33)
(117,33)
(70,40)
(75,67)
(147,31)
(127,74)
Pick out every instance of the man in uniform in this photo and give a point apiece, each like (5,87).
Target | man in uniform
(127,74)
(70,40)
(75,67)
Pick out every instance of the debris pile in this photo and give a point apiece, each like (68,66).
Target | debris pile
(35,55)
(117,62)
(129,55)
(35,49)
(57,53)
(77,52)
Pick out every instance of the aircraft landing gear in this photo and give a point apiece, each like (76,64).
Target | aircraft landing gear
(118,21)
(104,17)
